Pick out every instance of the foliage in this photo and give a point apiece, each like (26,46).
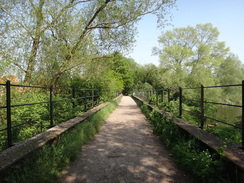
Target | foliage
(230,135)
(191,56)
(31,119)
(231,71)
(187,151)
(42,40)
(45,164)
(109,75)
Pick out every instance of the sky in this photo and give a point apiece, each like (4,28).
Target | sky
(226,15)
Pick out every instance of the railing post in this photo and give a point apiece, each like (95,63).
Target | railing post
(51,105)
(168,95)
(242,114)
(73,97)
(8,107)
(202,106)
(180,102)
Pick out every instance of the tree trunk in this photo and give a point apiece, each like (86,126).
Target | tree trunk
(36,42)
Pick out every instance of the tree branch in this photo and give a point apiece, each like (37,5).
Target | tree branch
(12,61)
(32,4)
(21,24)
(115,25)
(60,14)
(88,24)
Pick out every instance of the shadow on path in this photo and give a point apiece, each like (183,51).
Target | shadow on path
(125,150)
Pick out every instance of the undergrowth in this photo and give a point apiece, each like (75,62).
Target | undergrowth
(45,164)
(187,151)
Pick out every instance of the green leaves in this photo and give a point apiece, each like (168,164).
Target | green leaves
(49,38)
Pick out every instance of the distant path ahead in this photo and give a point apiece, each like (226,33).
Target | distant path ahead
(125,150)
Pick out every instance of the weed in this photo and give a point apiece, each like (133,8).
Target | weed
(199,162)
(45,164)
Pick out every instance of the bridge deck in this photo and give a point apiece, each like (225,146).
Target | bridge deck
(125,150)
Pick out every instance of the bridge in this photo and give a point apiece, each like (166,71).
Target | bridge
(125,149)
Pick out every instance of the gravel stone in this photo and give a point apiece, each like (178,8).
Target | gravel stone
(124,151)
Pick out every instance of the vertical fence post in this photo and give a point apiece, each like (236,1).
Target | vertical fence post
(8,107)
(73,97)
(51,105)
(242,114)
(202,106)
(168,95)
(180,102)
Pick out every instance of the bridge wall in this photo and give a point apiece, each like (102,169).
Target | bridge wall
(234,156)
(15,153)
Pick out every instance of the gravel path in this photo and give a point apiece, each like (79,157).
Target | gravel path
(125,150)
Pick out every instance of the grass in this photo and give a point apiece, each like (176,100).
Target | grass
(187,151)
(229,134)
(45,164)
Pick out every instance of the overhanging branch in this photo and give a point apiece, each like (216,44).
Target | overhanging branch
(12,61)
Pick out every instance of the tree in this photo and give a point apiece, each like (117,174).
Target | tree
(63,34)
(146,75)
(121,65)
(192,52)
(230,72)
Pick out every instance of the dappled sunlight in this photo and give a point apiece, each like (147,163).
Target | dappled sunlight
(125,150)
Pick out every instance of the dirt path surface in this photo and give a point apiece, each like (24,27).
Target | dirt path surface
(125,150)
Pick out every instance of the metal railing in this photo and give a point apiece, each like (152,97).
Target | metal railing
(85,98)
(159,93)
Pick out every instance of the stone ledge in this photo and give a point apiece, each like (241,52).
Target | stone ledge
(233,154)
(20,150)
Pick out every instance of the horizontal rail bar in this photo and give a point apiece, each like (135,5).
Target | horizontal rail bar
(2,107)
(3,129)
(62,88)
(42,118)
(214,86)
(25,86)
(89,96)
(80,98)
(222,122)
(191,112)
(222,86)
(192,100)
(223,104)
(162,89)
(28,104)
(191,88)
(85,97)
(28,122)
